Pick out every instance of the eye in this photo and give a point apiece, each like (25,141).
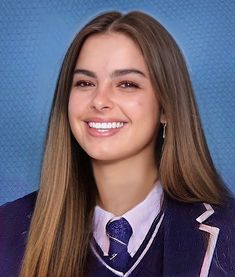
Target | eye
(84,84)
(128,84)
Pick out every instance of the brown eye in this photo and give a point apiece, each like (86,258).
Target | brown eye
(84,84)
(128,84)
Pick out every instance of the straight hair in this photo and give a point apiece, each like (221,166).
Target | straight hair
(61,226)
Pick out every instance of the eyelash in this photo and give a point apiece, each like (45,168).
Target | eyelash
(83,84)
(123,84)
(128,84)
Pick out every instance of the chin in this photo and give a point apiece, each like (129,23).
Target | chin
(101,153)
(105,157)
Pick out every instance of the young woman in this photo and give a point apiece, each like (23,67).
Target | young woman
(128,187)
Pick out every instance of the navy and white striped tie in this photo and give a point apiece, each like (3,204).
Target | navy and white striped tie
(119,232)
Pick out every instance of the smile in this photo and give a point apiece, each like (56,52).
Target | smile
(105,125)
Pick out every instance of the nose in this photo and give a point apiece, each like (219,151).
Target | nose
(102,99)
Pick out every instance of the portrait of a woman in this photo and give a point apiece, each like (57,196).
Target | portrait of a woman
(128,186)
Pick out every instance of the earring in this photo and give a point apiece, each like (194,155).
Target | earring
(164,130)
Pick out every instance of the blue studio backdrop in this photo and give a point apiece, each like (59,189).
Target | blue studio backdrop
(34,36)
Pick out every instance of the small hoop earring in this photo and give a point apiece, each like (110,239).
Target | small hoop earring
(164,130)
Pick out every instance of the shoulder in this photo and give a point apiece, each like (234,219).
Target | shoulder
(213,225)
(224,215)
(192,215)
(216,214)
(19,208)
(15,218)
(223,220)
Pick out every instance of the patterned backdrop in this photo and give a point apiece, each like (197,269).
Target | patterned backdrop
(34,36)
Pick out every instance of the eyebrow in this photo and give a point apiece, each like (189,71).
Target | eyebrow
(114,74)
(85,72)
(121,72)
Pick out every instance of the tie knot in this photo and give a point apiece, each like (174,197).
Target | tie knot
(119,229)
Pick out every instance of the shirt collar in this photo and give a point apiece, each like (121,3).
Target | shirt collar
(140,218)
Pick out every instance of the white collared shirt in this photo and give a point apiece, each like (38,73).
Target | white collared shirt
(140,218)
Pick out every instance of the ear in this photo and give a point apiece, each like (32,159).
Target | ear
(163,116)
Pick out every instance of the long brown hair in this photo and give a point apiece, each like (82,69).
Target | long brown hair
(60,230)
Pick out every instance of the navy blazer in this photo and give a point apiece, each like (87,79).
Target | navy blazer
(198,238)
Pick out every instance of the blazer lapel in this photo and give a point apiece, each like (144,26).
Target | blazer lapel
(213,233)
(188,243)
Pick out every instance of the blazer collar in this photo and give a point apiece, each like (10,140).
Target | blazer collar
(189,243)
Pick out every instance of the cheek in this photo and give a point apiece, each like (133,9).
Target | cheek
(74,114)
(150,116)
(74,106)
(148,111)
(71,104)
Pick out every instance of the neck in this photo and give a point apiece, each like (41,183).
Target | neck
(123,184)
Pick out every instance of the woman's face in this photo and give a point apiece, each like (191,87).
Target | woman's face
(113,111)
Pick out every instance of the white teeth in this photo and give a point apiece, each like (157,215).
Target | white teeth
(105,125)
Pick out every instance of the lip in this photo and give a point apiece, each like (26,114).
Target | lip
(106,132)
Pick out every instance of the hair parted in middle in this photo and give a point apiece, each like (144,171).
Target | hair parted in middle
(61,225)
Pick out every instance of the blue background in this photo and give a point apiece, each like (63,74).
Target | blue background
(34,36)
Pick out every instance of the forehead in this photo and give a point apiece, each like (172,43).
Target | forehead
(110,49)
